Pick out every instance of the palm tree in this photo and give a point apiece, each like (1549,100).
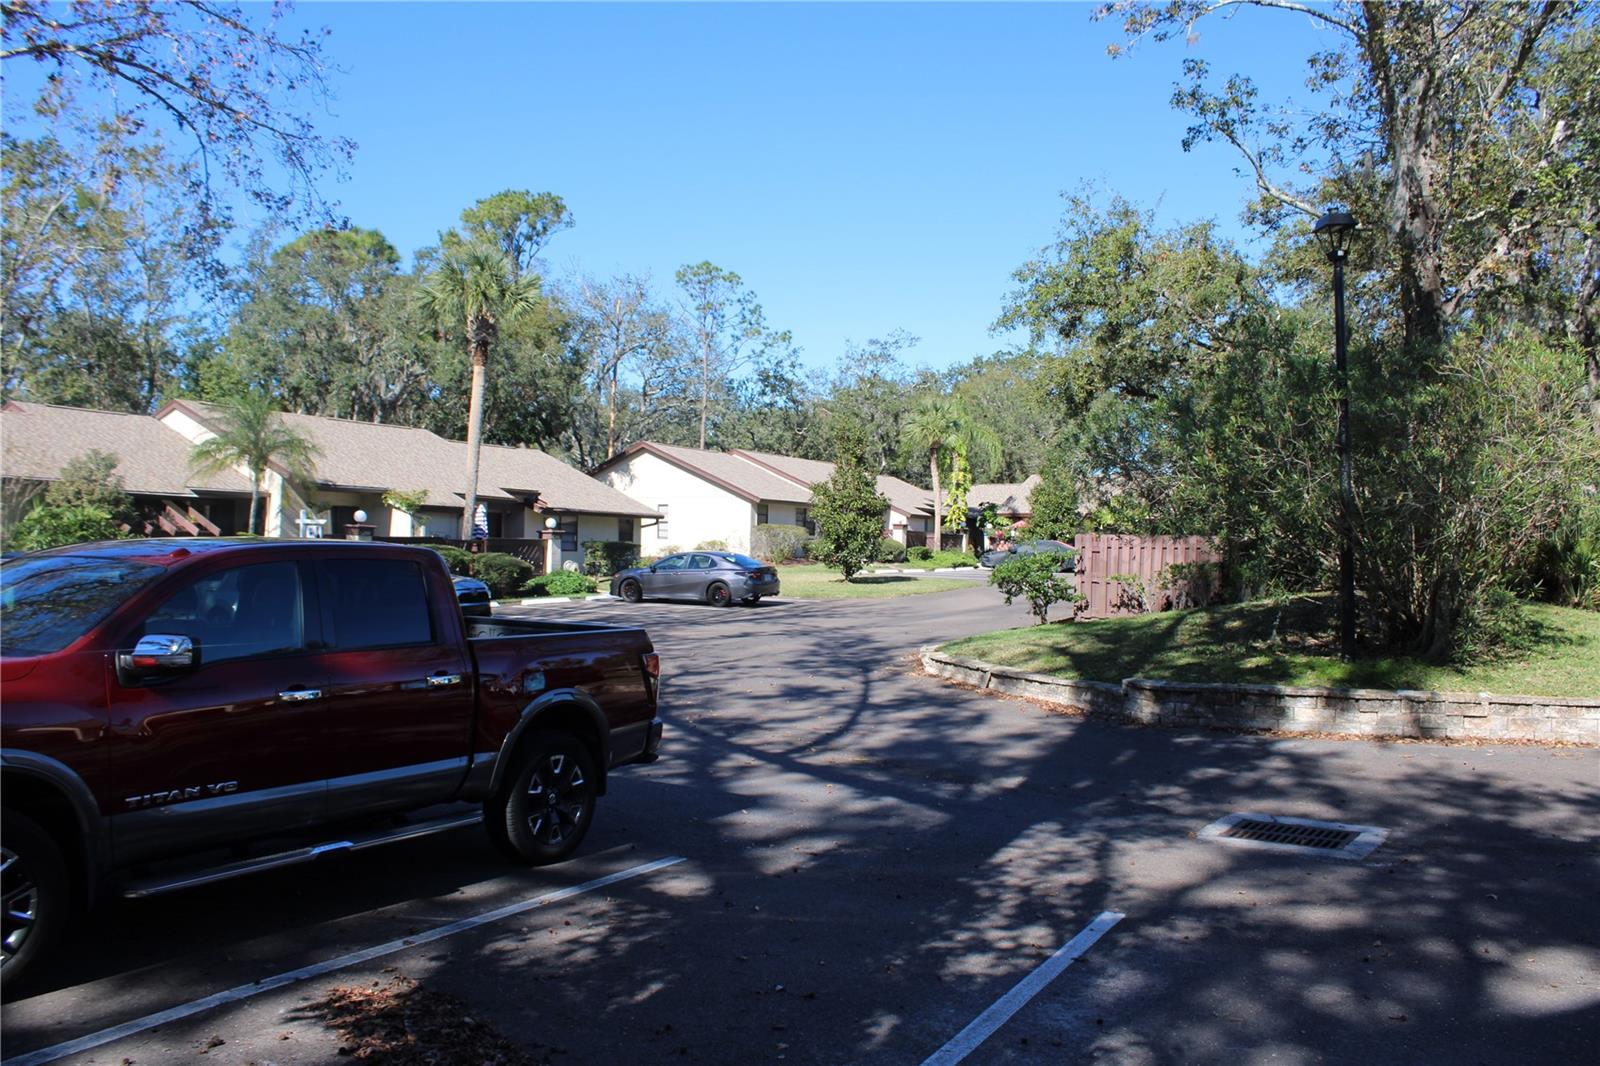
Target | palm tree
(942,427)
(253,434)
(478,287)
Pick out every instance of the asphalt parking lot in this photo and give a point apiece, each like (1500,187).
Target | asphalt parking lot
(838,860)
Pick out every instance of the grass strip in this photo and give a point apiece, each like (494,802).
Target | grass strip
(1290,642)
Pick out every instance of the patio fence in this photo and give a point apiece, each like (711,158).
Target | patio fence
(947,541)
(1103,555)
(529,551)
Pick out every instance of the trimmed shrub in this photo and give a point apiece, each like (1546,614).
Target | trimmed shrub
(503,573)
(921,553)
(458,560)
(778,543)
(609,556)
(891,550)
(52,526)
(560,583)
(949,558)
(1034,578)
(712,546)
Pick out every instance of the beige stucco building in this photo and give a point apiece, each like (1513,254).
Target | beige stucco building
(708,496)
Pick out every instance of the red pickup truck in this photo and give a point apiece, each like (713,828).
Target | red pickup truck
(176,712)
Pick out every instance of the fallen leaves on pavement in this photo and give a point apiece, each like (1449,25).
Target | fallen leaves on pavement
(402,1024)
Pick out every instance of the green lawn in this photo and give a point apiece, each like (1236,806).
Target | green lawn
(820,583)
(1287,644)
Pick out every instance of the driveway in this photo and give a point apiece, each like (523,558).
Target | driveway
(861,865)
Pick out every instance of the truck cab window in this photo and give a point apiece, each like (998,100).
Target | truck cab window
(241,613)
(374,603)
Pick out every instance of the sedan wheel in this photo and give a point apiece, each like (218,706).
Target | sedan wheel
(719,595)
(631,591)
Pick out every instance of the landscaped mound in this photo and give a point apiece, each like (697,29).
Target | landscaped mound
(1291,642)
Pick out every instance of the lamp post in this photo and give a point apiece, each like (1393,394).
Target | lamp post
(550,525)
(1334,230)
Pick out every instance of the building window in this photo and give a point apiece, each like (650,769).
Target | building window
(761,514)
(802,517)
(569,533)
(625,529)
(661,526)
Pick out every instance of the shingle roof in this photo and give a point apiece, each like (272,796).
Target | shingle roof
(902,495)
(1009,498)
(376,457)
(738,475)
(560,486)
(39,439)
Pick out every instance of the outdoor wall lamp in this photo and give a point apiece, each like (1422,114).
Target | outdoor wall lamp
(1334,231)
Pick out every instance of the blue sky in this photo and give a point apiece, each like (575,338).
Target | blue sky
(863,167)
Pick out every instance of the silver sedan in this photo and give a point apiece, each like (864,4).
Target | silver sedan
(717,578)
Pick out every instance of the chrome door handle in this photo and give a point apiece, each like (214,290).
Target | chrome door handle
(443,680)
(300,695)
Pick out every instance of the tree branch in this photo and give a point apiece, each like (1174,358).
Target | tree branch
(1283,5)
(1530,38)
(1288,199)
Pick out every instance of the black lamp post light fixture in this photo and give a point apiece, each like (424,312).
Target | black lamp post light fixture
(1334,230)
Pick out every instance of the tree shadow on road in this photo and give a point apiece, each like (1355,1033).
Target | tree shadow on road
(873,858)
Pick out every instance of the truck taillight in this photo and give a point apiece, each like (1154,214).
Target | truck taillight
(652,664)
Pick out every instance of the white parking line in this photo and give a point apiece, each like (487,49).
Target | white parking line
(983,1026)
(267,984)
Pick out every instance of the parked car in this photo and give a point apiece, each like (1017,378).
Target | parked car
(474,597)
(992,559)
(717,578)
(182,711)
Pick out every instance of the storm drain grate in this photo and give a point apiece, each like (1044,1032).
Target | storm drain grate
(1306,836)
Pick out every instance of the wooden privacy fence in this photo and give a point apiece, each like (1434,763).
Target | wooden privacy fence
(1148,559)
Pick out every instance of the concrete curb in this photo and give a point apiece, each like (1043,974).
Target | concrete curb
(1288,708)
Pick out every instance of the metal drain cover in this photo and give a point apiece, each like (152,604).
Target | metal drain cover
(1305,836)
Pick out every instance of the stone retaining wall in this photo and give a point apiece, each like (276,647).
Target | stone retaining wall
(1292,709)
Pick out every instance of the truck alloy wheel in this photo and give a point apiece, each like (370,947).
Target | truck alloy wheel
(542,816)
(35,896)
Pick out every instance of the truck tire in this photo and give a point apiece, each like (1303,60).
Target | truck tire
(544,810)
(37,894)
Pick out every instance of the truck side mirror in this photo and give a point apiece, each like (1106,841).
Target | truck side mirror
(157,655)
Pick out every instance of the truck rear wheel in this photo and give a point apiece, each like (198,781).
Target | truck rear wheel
(543,812)
(37,897)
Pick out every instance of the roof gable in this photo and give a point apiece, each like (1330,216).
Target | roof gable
(902,495)
(152,460)
(729,471)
